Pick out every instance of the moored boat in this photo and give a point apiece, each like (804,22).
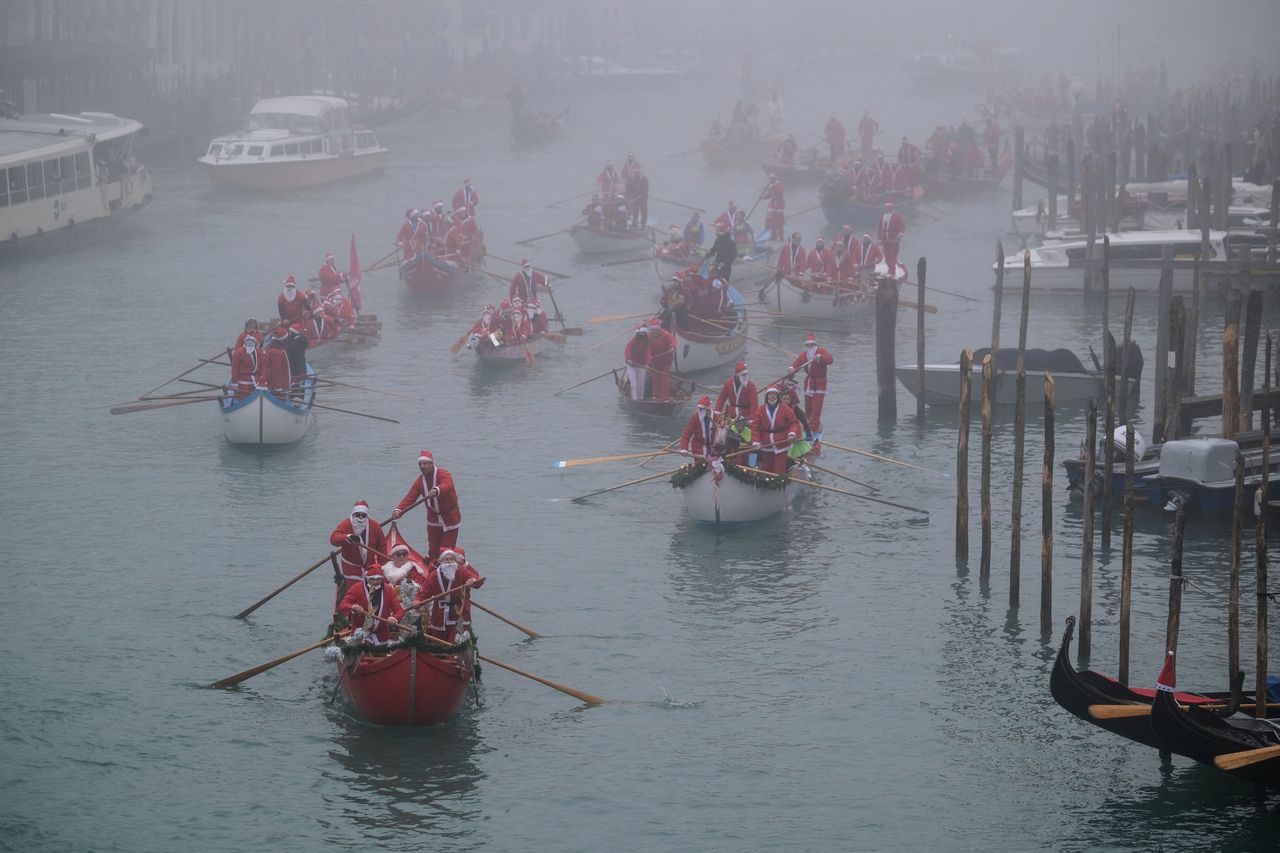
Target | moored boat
(294,142)
(1204,734)
(414,683)
(733,496)
(1074,385)
(946,185)
(264,418)
(597,241)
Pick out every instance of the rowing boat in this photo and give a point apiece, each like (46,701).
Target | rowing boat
(597,241)
(264,418)
(732,496)
(667,407)
(697,351)
(809,299)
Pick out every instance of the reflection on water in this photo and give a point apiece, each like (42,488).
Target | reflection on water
(401,786)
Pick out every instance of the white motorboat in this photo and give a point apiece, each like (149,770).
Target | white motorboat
(1074,384)
(1060,266)
(263,418)
(731,499)
(293,142)
(65,176)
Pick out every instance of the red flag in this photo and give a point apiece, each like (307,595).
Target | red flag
(1167,679)
(353,276)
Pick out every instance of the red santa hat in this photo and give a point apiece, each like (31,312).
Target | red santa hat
(740,367)
(290,281)
(704,401)
(280,333)
(437,203)
(466,181)
(360,506)
(398,547)
(449,552)
(1167,680)
(810,340)
(328,256)
(425,456)
(770,390)
(888,205)
(524,262)
(374,571)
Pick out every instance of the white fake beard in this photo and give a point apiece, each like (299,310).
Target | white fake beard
(450,570)
(289,297)
(359,526)
(395,573)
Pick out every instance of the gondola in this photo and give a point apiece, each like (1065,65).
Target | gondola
(1203,735)
(1075,690)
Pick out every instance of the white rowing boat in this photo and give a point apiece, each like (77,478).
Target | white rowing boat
(730,500)
(263,418)
(596,241)
(696,352)
(804,298)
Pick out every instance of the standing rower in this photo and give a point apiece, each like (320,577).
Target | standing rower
(526,283)
(636,356)
(891,229)
(289,305)
(444,517)
(815,361)
(772,431)
(330,277)
(775,219)
(699,432)
(738,396)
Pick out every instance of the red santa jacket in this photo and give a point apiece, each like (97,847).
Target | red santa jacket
(330,279)
(867,255)
(446,615)
(607,179)
(442,510)
(737,399)
(636,353)
(405,234)
(775,193)
(698,435)
(246,362)
(386,604)
(275,369)
(792,261)
(526,287)
(820,262)
(815,368)
(769,427)
(843,266)
(727,218)
(662,351)
(466,196)
(354,558)
(891,228)
(290,312)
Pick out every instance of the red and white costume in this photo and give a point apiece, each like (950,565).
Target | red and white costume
(636,356)
(662,358)
(355,557)
(819,263)
(738,396)
(289,304)
(447,616)
(526,283)
(793,260)
(630,167)
(865,256)
(889,232)
(814,361)
(727,218)
(444,517)
(466,197)
(405,234)
(775,219)
(774,425)
(275,364)
(608,180)
(383,603)
(330,277)
(699,432)
(246,363)
(867,132)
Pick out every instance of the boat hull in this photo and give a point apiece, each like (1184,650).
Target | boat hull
(510,354)
(264,419)
(942,386)
(432,277)
(1201,735)
(846,210)
(742,156)
(296,174)
(734,502)
(797,175)
(408,687)
(593,241)
(697,352)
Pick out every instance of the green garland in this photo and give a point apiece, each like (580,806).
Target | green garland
(415,640)
(687,474)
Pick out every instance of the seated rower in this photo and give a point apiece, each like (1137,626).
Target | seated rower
(594,212)
(537,317)
(276,373)
(801,446)
(407,576)
(289,304)
(246,365)
(369,599)
(449,616)
(698,436)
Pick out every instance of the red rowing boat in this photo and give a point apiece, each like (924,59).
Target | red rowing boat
(410,685)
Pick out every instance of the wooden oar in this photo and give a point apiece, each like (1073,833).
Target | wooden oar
(611,338)
(308,570)
(528,355)
(574,463)
(457,345)
(203,361)
(806,210)
(571,198)
(496,615)
(840,491)
(1127,711)
(828,443)
(612,318)
(350,412)
(933,289)
(577,694)
(627,261)
(232,680)
(531,240)
(706,388)
(1245,758)
(837,474)
(620,486)
(654,456)
(146,407)
(177,395)
(678,204)
(551,273)
(584,382)
(323,381)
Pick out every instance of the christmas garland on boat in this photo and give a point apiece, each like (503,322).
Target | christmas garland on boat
(687,474)
(349,649)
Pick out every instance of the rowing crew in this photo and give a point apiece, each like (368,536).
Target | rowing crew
(776,436)
(276,361)
(511,322)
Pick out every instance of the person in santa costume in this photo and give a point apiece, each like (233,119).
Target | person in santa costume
(636,357)
(775,219)
(819,262)
(772,431)
(289,307)
(330,277)
(866,255)
(405,235)
(246,364)
(526,283)
(250,330)
(662,358)
(890,231)
(354,537)
(814,361)
(276,375)
(698,437)
(450,617)
(793,259)
(608,180)
(444,517)
(373,597)
(466,197)
(738,396)
(407,576)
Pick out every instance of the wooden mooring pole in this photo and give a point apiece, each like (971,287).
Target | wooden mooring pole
(1108,443)
(1164,299)
(1019,438)
(1046,513)
(1231,368)
(1052,165)
(984,567)
(886,330)
(1260,537)
(1275,223)
(1175,581)
(1130,298)
(1193,184)
(1085,645)
(1233,575)
(921,269)
(1193,327)
(1175,363)
(1126,552)
(1019,165)
(1249,354)
(962,459)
